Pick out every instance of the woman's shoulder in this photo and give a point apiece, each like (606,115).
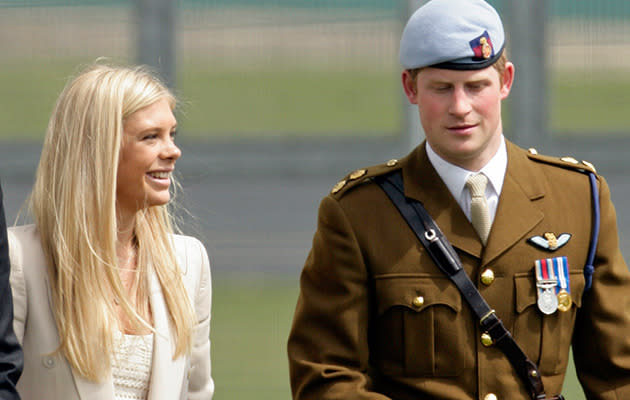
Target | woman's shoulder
(186,242)
(22,238)
(26,255)
(189,250)
(23,231)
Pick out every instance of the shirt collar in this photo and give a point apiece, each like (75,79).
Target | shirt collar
(455,177)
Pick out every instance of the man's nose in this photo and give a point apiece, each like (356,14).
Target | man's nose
(460,102)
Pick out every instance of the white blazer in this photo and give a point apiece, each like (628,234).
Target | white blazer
(47,375)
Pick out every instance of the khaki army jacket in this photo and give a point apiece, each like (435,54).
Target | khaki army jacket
(376,319)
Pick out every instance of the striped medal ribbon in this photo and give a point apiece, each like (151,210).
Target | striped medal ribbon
(552,284)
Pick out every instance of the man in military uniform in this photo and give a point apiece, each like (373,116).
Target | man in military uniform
(377,319)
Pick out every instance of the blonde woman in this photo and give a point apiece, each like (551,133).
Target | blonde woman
(109,303)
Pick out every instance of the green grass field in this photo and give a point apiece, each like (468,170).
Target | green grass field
(290,102)
(293,103)
(251,318)
(590,104)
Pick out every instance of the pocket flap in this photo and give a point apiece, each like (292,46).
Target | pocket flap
(415,292)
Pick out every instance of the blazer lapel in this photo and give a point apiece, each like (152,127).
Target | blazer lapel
(166,373)
(423,183)
(516,214)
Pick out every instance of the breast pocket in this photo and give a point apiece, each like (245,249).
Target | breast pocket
(418,329)
(545,339)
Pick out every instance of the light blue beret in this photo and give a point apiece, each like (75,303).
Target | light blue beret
(452,34)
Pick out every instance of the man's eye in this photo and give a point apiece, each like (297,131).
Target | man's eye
(476,86)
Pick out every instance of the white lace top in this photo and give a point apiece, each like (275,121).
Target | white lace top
(131,366)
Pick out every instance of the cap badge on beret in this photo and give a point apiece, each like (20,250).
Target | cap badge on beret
(482,46)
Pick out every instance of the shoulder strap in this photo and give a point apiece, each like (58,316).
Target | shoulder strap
(445,257)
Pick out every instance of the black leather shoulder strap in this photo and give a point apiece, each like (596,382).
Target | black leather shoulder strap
(445,257)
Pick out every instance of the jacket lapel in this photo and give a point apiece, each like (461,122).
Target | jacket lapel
(423,183)
(516,214)
(166,374)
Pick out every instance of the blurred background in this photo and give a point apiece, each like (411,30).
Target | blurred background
(281,98)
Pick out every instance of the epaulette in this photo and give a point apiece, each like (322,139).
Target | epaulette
(563,162)
(361,176)
(584,167)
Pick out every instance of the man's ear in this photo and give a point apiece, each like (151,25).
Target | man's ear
(507,79)
(410,87)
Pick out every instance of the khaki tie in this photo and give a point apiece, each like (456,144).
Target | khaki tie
(479,213)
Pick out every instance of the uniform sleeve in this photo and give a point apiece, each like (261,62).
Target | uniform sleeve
(200,384)
(11,358)
(601,342)
(328,344)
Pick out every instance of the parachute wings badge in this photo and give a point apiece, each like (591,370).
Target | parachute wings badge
(549,241)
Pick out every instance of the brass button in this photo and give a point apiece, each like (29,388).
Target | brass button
(392,162)
(490,396)
(357,174)
(486,339)
(487,277)
(418,301)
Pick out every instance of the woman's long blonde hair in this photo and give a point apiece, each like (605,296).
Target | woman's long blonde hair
(74,206)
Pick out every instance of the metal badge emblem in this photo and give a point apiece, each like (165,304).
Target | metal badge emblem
(486,49)
(482,46)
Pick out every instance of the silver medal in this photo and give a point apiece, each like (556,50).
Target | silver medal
(547,299)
